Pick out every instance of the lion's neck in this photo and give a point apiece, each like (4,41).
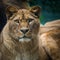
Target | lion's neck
(24,51)
(28,51)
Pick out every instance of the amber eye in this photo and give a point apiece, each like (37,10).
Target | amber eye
(30,20)
(17,21)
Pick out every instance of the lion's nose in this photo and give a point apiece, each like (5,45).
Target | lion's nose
(24,30)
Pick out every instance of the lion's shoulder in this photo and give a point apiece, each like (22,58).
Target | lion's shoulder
(50,41)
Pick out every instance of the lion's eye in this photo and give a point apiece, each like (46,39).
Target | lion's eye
(30,20)
(17,21)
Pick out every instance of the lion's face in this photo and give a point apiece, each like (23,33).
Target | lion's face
(23,25)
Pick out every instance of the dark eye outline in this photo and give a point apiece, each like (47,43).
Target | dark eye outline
(30,20)
(17,21)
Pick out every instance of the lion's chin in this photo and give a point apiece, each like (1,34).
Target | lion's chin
(24,40)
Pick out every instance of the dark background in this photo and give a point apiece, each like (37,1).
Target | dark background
(2,16)
(50,11)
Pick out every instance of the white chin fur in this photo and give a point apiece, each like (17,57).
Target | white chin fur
(24,40)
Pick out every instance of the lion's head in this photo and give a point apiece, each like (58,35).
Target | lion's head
(23,24)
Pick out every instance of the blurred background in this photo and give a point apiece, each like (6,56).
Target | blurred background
(50,10)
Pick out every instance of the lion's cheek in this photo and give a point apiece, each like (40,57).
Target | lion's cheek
(14,30)
(35,28)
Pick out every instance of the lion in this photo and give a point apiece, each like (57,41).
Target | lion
(19,37)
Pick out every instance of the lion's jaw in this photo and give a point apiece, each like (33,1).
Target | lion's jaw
(24,39)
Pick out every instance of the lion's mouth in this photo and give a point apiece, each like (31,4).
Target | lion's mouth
(24,38)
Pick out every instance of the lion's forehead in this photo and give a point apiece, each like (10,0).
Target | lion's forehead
(24,14)
(23,10)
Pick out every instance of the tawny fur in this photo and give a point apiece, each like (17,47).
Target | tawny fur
(13,49)
(36,47)
(51,42)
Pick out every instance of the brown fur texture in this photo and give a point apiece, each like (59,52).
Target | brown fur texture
(19,37)
(51,42)
(52,25)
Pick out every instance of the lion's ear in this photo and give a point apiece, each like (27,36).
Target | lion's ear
(10,11)
(36,10)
